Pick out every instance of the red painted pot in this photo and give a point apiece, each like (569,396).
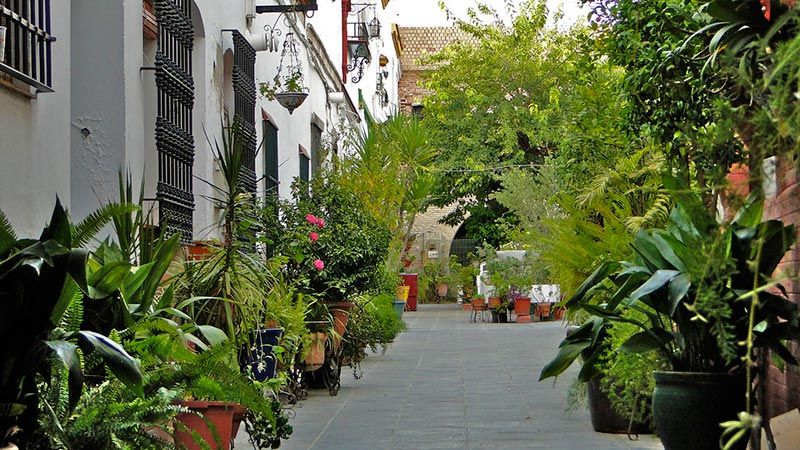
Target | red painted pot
(522,306)
(219,414)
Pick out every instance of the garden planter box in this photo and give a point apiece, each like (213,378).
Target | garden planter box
(219,414)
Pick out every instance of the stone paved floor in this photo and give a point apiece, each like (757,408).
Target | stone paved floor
(447,383)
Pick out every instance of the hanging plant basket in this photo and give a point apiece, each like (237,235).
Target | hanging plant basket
(291,100)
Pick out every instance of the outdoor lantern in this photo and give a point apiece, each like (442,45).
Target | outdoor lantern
(374,28)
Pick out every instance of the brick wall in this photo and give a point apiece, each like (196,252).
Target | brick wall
(410,89)
(783,386)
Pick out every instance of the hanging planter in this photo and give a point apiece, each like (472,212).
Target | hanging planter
(288,89)
(291,100)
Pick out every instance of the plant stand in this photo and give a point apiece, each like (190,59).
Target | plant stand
(330,374)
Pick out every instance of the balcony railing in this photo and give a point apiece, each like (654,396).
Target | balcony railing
(27,54)
(357,31)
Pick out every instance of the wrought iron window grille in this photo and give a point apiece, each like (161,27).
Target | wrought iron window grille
(26,42)
(244,115)
(173,128)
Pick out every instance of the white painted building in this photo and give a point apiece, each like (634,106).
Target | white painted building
(145,85)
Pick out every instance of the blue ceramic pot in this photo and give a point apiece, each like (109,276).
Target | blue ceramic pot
(257,359)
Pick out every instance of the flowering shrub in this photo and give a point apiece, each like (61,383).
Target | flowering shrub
(334,248)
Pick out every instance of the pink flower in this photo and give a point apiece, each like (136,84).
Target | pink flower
(310,218)
(319,265)
(320,223)
(313,236)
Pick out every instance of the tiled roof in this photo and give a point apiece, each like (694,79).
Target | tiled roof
(420,41)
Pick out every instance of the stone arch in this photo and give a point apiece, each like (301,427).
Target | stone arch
(430,235)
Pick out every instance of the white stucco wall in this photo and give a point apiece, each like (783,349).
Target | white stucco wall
(34,141)
(101,118)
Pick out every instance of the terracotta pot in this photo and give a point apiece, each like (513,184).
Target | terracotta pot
(544,310)
(197,250)
(559,312)
(477,303)
(219,414)
(341,315)
(494,302)
(522,306)
(441,289)
(239,413)
(466,306)
(316,355)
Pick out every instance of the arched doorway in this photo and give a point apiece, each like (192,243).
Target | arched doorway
(463,247)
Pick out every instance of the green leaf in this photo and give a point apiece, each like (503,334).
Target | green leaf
(565,357)
(601,273)
(750,214)
(677,290)
(67,353)
(669,248)
(645,341)
(8,238)
(659,279)
(59,229)
(647,250)
(69,293)
(108,279)
(121,364)
(213,335)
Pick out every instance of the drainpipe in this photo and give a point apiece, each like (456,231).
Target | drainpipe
(345,12)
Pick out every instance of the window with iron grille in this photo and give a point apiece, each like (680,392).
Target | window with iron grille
(244,92)
(316,149)
(174,140)
(27,53)
(271,157)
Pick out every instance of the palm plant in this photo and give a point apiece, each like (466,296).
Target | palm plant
(231,284)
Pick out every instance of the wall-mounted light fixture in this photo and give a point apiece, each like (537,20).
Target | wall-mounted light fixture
(359,58)
(375,28)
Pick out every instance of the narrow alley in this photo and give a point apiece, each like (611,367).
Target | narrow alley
(449,383)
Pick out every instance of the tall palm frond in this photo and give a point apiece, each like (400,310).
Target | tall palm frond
(88,228)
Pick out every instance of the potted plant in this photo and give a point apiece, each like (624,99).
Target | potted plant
(40,279)
(287,89)
(706,291)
